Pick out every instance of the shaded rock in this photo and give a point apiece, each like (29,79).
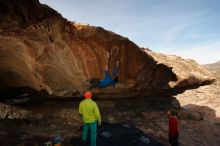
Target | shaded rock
(11,112)
(18,101)
(190,115)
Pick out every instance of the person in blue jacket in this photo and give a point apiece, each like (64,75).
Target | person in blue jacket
(108,80)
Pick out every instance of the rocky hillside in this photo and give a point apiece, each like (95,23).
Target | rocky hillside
(41,50)
(188,71)
(215,68)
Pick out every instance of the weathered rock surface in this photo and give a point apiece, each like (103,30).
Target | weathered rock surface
(11,112)
(215,68)
(41,50)
(188,72)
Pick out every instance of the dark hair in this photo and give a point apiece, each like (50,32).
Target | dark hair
(115,79)
(173,112)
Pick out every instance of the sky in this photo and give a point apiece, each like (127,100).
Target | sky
(187,28)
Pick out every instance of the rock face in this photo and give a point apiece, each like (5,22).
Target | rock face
(215,68)
(39,49)
(11,112)
(188,72)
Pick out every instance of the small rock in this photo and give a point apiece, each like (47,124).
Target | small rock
(190,115)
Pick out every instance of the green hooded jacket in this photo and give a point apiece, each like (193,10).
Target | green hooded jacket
(89,111)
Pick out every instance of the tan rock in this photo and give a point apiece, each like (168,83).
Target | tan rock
(190,115)
(188,71)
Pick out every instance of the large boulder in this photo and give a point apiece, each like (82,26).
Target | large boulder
(39,49)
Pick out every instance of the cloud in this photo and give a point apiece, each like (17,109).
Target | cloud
(203,54)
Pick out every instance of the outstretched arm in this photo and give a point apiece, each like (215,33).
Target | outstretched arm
(117,64)
(106,68)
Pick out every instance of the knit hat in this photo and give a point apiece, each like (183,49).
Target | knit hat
(88,94)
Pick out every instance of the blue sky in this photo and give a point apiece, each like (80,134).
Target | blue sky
(187,28)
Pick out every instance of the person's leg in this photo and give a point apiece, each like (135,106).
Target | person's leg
(85,132)
(175,141)
(107,76)
(115,71)
(93,134)
(171,140)
(94,82)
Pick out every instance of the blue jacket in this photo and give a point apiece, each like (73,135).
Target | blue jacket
(106,82)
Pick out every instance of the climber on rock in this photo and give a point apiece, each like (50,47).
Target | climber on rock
(108,79)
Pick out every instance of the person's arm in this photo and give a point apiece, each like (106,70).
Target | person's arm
(97,114)
(80,109)
(106,75)
(178,123)
(115,72)
(106,68)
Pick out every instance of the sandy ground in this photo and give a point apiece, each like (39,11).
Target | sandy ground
(205,99)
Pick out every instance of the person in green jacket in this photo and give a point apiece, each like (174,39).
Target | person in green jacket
(90,116)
